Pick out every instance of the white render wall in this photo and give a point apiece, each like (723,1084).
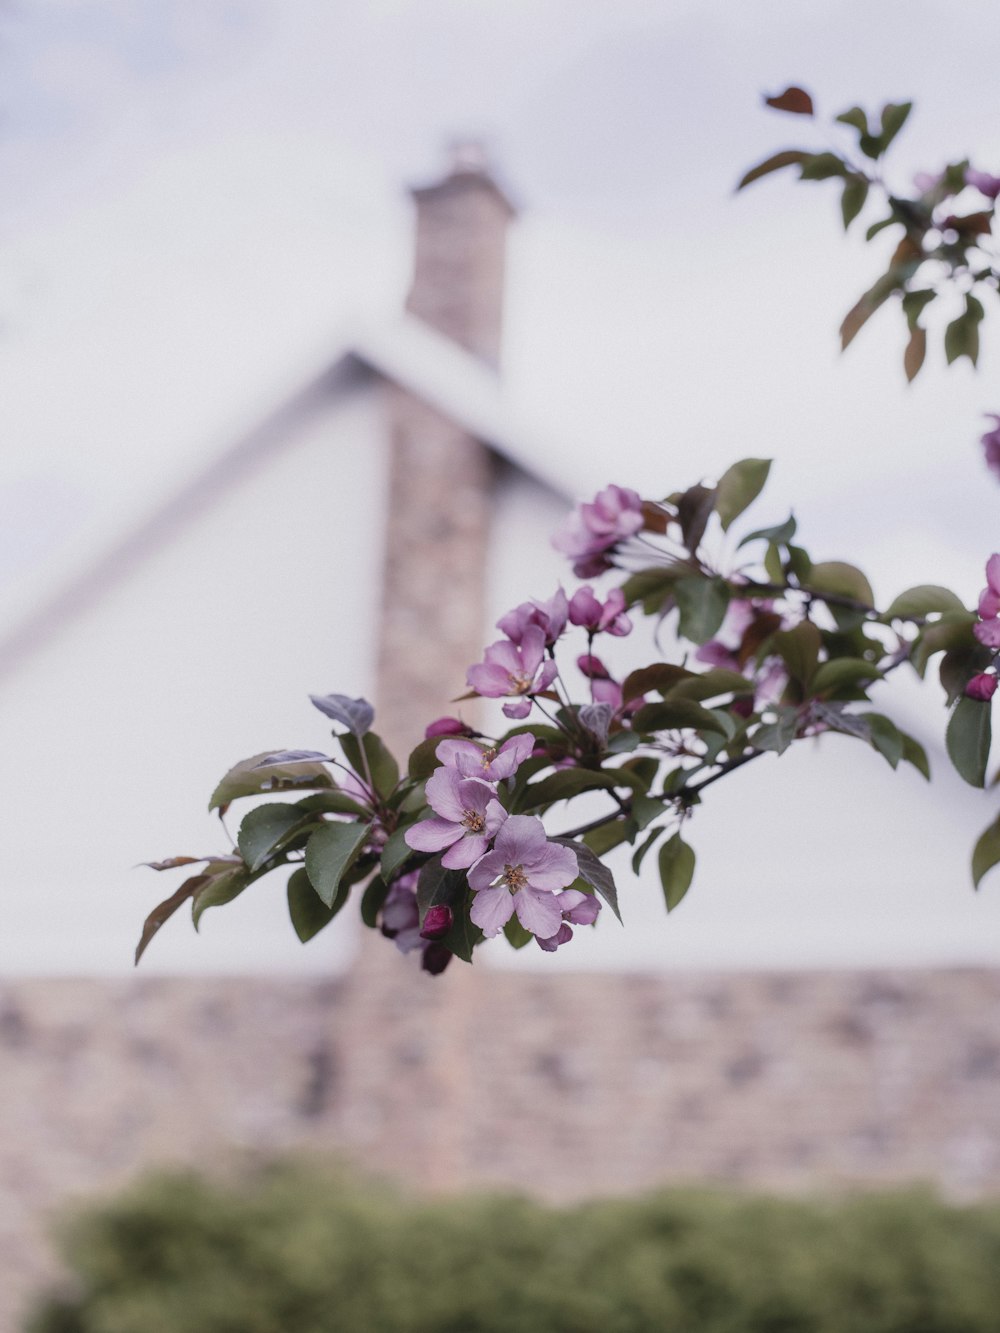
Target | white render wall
(116,733)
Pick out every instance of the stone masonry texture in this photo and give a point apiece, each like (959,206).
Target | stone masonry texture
(562,1087)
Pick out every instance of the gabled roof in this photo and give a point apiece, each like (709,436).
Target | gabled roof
(404,351)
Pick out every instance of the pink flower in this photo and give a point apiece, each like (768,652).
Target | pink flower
(401,915)
(991,444)
(472,761)
(549,616)
(982,687)
(609,616)
(988,629)
(522,874)
(470,815)
(594,529)
(511,668)
(983,182)
(580,908)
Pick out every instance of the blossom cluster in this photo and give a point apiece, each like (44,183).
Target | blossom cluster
(512,866)
(983,685)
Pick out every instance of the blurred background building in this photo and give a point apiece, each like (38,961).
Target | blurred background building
(288,500)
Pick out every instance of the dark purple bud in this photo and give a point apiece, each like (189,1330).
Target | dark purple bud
(437,922)
(448,726)
(592,667)
(982,687)
(436,958)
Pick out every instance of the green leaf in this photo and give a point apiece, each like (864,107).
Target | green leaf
(953,630)
(914,354)
(330,853)
(855,117)
(702,603)
(968,739)
(395,852)
(738,487)
(779,734)
(639,855)
(881,225)
(676,715)
(676,869)
(606,836)
(659,676)
(247,779)
(789,157)
(308,913)
(423,759)
(439,886)
(961,337)
(986,853)
(915,302)
(517,936)
(799,649)
(822,166)
(710,684)
(463,936)
(594,871)
(219,890)
(853,199)
(915,754)
(570,782)
(840,673)
(372,899)
(841,580)
(644,810)
(652,587)
(885,737)
(332,803)
(923,600)
(894,116)
(383,766)
(780,535)
(269,829)
(694,509)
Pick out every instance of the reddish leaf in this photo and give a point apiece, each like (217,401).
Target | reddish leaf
(916,349)
(790,157)
(795,100)
(165,910)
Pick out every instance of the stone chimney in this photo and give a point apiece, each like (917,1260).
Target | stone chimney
(433,626)
(461,236)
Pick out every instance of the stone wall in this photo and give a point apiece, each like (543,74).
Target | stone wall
(563,1087)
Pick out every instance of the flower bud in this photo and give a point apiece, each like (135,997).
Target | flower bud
(982,687)
(448,726)
(435,959)
(437,922)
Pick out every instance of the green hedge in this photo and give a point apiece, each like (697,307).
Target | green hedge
(298,1249)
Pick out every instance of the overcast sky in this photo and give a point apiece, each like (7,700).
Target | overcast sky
(200,196)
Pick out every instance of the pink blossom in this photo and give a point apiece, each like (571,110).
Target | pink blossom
(607,691)
(522,874)
(472,761)
(594,529)
(401,915)
(991,444)
(579,908)
(470,815)
(592,667)
(928,182)
(983,182)
(988,633)
(549,616)
(512,668)
(598,617)
(988,629)
(982,687)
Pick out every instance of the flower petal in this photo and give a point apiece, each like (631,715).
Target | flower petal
(492,909)
(538,912)
(431,835)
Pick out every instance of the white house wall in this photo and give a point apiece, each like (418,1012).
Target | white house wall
(115,735)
